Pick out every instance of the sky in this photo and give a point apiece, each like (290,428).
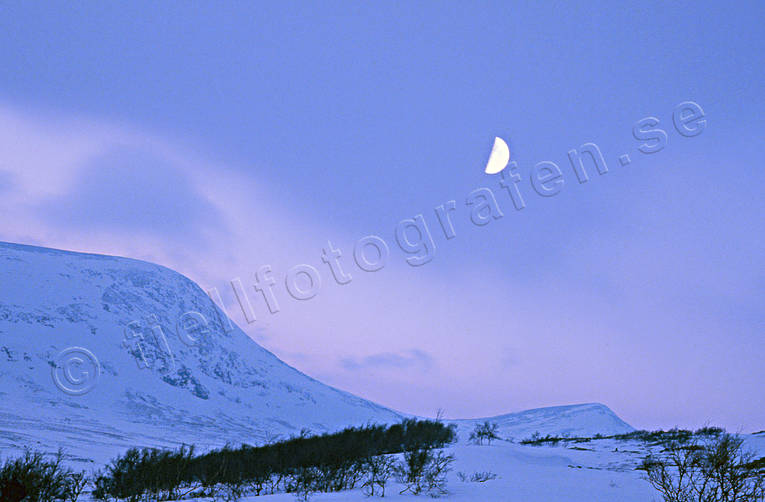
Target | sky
(217,138)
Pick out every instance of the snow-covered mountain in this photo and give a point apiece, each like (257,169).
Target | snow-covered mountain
(161,381)
(154,387)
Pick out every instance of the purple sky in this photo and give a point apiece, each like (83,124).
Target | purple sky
(216,141)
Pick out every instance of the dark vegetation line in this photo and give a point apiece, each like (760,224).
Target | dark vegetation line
(658,436)
(363,457)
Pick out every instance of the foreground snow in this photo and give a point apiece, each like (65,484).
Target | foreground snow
(597,471)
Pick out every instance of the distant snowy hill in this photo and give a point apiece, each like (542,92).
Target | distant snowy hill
(162,382)
(577,420)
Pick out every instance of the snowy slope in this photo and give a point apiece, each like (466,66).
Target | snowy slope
(578,420)
(161,386)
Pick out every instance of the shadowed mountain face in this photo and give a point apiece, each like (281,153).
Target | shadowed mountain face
(170,368)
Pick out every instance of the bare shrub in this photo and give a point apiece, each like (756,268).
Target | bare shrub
(477,477)
(486,431)
(715,469)
(33,478)
(435,474)
(378,471)
(423,471)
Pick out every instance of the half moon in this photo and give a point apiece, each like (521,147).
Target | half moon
(499,157)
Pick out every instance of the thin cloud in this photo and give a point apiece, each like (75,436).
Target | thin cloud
(414,358)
